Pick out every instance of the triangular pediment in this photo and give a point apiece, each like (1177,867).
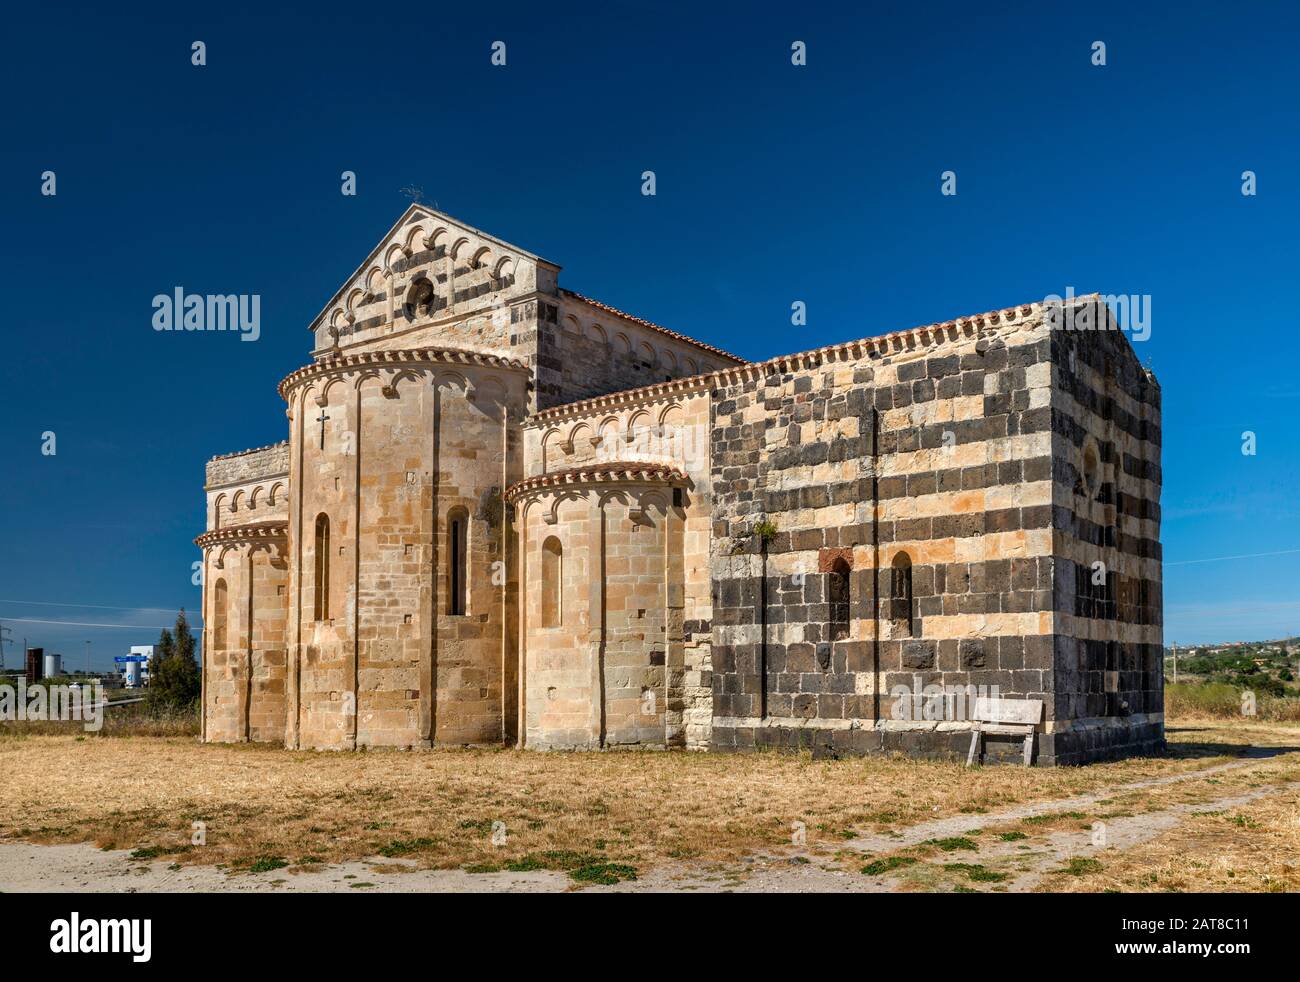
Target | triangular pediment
(421,233)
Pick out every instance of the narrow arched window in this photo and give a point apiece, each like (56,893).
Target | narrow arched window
(552,583)
(837,595)
(322,610)
(900,594)
(219,614)
(458,564)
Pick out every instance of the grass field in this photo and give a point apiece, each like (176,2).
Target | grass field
(618,814)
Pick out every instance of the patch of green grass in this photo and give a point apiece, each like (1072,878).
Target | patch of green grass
(265,864)
(976,872)
(529,864)
(359,885)
(1078,866)
(309,860)
(1012,836)
(952,843)
(482,868)
(402,847)
(881,866)
(477,825)
(148,852)
(583,867)
(605,874)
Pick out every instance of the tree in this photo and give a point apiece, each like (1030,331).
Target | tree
(173,670)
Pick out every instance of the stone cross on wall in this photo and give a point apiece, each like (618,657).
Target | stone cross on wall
(321,419)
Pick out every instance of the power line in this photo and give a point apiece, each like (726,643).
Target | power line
(51,603)
(129,627)
(1220,559)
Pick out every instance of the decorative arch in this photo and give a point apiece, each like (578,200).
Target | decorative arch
(235,500)
(668,359)
(608,436)
(216,510)
(692,366)
(435,238)
(482,256)
(394,256)
(277,489)
(646,350)
(576,435)
(571,324)
(636,423)
(550,441)
(252,497)
(414,241)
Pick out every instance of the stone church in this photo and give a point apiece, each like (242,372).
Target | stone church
(507,513)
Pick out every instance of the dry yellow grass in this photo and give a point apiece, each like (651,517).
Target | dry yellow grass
(1253,847)
(438,807)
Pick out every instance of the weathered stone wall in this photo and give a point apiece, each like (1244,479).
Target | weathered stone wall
(590,349)
(248,466)
(244,668)
(607,669)
(1109,681)
(929,450)
(663,425)
(248,487)
(408,449)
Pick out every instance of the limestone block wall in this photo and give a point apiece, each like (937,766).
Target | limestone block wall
(244,668)
(417,447)
(248,487)
(602,617)
(1109,628)
(587,349)
(667,424)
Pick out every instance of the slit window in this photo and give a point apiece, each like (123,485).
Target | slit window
(552,582)
(322,578)
(457,555)
(900,595)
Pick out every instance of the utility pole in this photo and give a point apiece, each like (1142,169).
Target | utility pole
(3,631)
(1175,663)
(87,657)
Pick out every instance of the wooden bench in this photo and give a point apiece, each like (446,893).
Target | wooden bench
(1017,717)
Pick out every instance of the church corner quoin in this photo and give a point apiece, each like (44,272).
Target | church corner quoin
(507,513)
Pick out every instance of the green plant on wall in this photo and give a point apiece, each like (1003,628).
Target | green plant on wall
(765,530)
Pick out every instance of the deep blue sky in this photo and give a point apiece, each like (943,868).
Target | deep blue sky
(775,184)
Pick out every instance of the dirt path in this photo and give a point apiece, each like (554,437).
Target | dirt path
(957,824)
(81,867)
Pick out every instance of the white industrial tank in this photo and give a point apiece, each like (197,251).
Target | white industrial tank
(52,667)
